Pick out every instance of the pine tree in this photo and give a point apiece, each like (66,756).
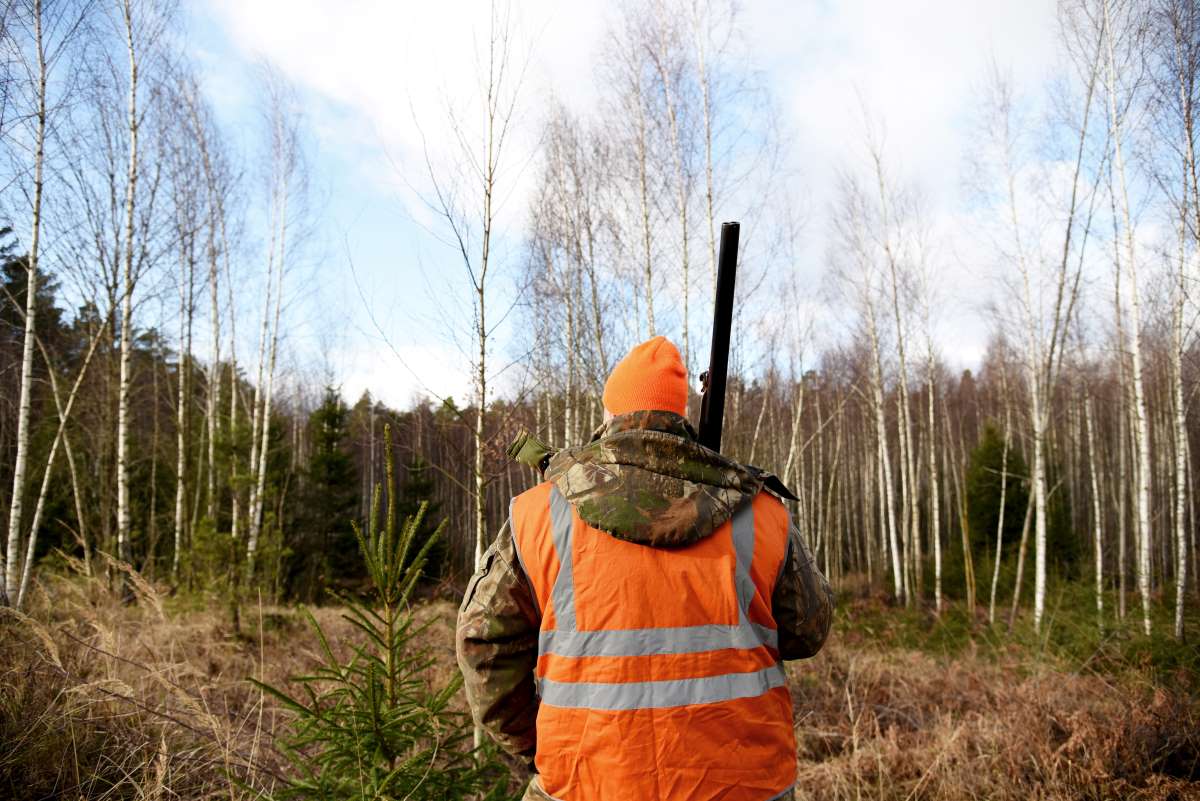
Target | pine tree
(323,546)
(371,727)
(416,493)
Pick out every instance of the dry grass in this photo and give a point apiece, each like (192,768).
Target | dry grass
(149,700)
(906,725)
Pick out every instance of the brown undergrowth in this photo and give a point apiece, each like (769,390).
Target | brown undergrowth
(150,699)
(906,725)
(101,699)
(988,720)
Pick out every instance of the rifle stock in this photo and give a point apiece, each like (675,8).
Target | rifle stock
(712,404)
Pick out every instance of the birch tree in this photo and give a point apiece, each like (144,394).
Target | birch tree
(39,37)
(1117,124)
(1177,27)
(465,194)
(669,60)
(187,213)
(860,276)
(38,73)
(141,24)
(1045,290)
(285,189)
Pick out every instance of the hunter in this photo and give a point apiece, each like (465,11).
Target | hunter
(626,630)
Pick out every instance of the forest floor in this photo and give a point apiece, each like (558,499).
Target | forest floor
(151,699)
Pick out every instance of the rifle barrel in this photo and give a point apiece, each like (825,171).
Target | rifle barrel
(712,408)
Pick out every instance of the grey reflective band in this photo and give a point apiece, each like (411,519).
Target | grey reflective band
(661,694)
(743,546)
(562,596)
(567,641)
(643,642)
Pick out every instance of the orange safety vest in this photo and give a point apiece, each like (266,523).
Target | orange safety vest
(658,668)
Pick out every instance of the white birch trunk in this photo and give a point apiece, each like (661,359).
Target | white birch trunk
(256,511)
(124,514)
(213,399)
(885,459)
(1141,425)
(181,411)
(1179,419)
(1003,500)
(702,78)
(10,567)
(1179,345)
(681,188)
(1097,518)
(935,513)
(64,414)
(643,181)
(908,482)
(1038,424)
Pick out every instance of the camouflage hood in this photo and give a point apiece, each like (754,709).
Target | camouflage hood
(644,478)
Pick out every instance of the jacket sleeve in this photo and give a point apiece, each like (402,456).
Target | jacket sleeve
(802,602)
(496,640)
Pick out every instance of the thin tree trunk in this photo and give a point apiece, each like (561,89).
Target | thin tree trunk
(706,108)
(1177,353)
(64,414)
(881,433)
(182,418)
(681,188)
(256,511)
(1122,514)
(908,482)
(10,569)
(235,512)
(1016,599)
(648,264)
(1097,518)
(1003,500)
(1141,430)
(124,390)
(213,399)
(935,532)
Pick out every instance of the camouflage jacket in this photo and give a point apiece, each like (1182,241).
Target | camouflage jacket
(642,478)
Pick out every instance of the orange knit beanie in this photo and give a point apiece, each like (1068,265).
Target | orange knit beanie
(650,378)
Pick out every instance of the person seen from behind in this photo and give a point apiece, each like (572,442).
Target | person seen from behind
(626,630)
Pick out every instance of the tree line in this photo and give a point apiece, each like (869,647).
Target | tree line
(1066,453)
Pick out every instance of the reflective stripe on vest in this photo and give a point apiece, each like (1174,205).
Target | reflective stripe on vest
(565,640)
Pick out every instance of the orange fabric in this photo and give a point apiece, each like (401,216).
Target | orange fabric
(531,513)
(678,594)
(742,750)
(651,377)
(734,750)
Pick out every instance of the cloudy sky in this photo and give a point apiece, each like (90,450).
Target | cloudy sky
(374,76)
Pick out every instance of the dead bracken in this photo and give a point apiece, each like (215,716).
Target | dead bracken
(100,699)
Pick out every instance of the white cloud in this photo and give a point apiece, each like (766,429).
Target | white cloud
(398,376)
(371,67)
(366,67)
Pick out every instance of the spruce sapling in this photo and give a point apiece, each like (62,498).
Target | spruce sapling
(372,728)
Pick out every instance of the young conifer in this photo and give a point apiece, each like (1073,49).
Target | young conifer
(372,727)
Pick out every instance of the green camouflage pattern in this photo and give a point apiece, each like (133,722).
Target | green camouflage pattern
(497,641)
(802,603)
(529,450)
(644,478)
